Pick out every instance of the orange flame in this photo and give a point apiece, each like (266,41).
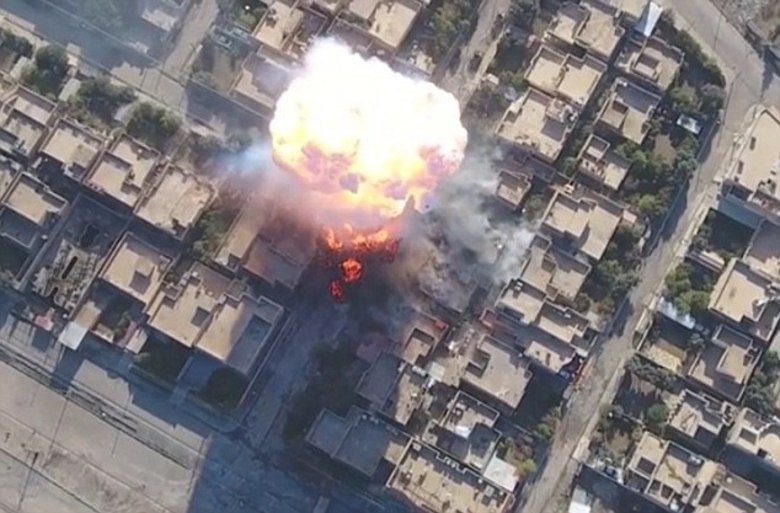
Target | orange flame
(351,270)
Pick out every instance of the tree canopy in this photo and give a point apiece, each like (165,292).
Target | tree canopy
(154,125)
(49,70)
(100,98)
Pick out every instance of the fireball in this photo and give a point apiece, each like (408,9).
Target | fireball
(363,141)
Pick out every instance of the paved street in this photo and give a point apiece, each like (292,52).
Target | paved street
(750,84)
(194,27)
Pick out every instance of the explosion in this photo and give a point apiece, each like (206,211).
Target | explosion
(363,142)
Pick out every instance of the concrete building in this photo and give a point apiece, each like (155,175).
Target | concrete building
(725,364)
(750,189)
(757,437)
(419,338)
(699,420)
(512,188)
(748,299)
(387,23)
(732,494)
(287,29)
(630,10)
(554,271)
(589,24)
(124,170)
(24,120)
(436,483)
(583,220)
(498,371)
(9,170)
(467,431)
(667,473)
(215,315)
(600,163)
(763,252)
(359,440)
(394,388)
(164,17)
(136,268)
(564,75)
(628,110)
(30,212)
(267,242)
(174,201)
(260,83)
(652,61)
(71,149)
(538,123)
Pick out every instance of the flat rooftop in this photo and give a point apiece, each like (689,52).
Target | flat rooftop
(499,371)
(599,162)
(279,24)
(726,363)
(260,83)
(565,75)
(763,253)
(394,387)
(392,20)
(32,199)
(420,336)
(175,202)
(756,435)
(26,115)
(628,110)
(557,273)
(632,8)
(700,418)
(513,187)
(583,218)
(136,268)
(757,164)
(538,122)
(568,21)
(601,31)
(432,481)
(73,147)
(124,170)
(667,472)
(652,60)
(9,169)
(745,295)
(736,495)
(466,413)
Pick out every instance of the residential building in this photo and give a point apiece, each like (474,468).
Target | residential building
(571,78)
(583,220)
(652,61)
(631,10)
(260,83)
(757,437)
(750,189)
(512,188)
(419,337)
(71,149)
(29,214)
(9,170)
(538,123)
(557,273)
(628,110)
(174,201)
(467,431)
(667,473)
(394,388)
(217,316)
(600,163)
(763,252)
(434,482)
(24,120)
(725,364)
(498,372)
(590,24)
(699,420)
(732,494)
(124,170)
(163,16)
(358,440)
(287,29)
(747,298)
(266,241)
(387,23)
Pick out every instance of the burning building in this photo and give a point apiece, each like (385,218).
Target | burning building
(363,143)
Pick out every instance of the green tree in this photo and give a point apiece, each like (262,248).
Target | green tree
(104,14)
(15,44)
(523,13)
(154,125)
(712,98)
(49,71)
(656,417)
(100,98)
(651,205)
(682,101)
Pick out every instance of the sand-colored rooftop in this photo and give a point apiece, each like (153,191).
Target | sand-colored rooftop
(260,83)
(522,301)
(763,253)
(499,371)
(631,8)
(557,273)
(466,413)
(756,435)
(556,73)
(628,110)
(279,23)
(136,268)
(73,147)
(175,201)
(665,471)
(598,161)
(513,187)
(434,482)
(33,200)
(392,20)
(700,418)
(736,495)
(393,387)
(726,363)
(758,163)
(9,169)
(585,218)
(564,324)
(568,21)
(538,122)
(601,31)
(652,60)
(745,295)
(124,170)
(26,115)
